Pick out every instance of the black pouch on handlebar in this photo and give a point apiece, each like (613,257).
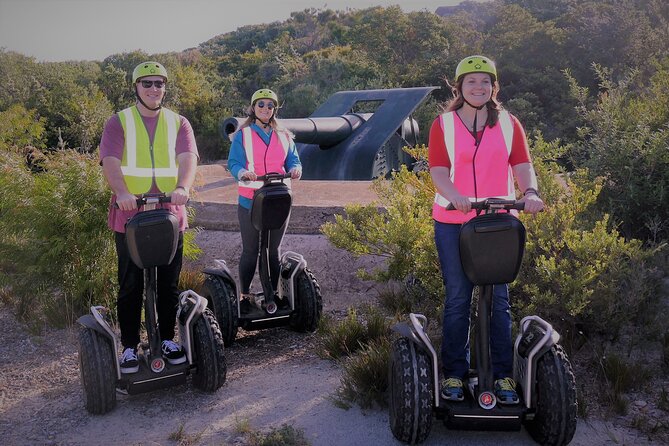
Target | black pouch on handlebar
(152,237)
(271,206)
(491,248)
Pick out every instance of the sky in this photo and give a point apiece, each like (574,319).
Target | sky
(61,30)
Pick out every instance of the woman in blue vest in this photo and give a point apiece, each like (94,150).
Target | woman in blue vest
(260,146)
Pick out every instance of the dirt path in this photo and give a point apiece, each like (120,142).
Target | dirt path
(274,377)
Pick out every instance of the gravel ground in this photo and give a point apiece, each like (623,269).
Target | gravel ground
(274,377)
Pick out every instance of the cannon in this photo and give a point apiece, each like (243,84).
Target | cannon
(336,143)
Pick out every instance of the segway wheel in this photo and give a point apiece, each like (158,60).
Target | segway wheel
(209,352)
(308,302)
(97,371)
(555,420)
(411,392)
(223,303)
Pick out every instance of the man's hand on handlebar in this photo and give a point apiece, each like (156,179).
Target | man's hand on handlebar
(126,201)
(179,196)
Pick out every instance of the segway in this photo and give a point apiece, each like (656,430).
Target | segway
(491,250)
(296,303)
(152,237)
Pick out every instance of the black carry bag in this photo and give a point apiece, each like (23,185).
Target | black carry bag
(271,206)
(152,237)
(491,248)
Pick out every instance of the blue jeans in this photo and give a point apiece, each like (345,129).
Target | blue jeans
(455,336)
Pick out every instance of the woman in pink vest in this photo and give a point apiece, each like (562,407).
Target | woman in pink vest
(258,147)
(476,150)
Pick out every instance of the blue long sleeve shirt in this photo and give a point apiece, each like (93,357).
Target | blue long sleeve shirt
(237,158)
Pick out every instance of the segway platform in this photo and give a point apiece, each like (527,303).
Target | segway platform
(469,415)
(146,380)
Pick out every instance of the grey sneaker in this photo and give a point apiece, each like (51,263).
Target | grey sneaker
(129,362)
(173,352)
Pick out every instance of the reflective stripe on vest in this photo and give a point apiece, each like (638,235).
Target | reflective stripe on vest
(140,164)
(494,177)
(274,159)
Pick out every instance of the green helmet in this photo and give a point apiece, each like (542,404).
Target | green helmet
(148,69)
(264,93)
(475,64)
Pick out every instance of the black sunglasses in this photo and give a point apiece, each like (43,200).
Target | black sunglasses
(149,84)
(261,104)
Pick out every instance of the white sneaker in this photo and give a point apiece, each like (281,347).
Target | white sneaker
(129,362)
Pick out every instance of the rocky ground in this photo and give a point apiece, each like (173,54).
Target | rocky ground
(274,377)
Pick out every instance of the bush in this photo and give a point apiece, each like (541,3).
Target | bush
(57,253)
(577,270)
(344,338)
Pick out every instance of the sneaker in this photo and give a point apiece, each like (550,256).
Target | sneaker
(451,389)
(505,391)
(129,362)
(173,352)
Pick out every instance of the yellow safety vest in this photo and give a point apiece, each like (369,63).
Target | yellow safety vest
(142,162)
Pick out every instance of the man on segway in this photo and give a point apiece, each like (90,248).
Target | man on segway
(147,148)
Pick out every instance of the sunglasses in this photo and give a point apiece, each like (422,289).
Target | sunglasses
(149,84)
(261,104)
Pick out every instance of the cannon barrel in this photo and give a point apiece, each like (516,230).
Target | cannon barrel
(336,143)
(324,132)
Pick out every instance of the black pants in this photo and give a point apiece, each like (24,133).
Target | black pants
(130,296)
(251,250)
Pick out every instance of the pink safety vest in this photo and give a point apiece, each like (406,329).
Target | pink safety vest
(494,177)
(260,156)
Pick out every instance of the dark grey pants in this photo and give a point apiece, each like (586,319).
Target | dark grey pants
(251,250)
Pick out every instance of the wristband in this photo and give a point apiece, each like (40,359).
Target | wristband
(531,190)
(182,187)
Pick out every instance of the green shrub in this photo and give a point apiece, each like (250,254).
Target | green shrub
(577,271)
(365,376)
(343,338)
(57,253)
(54,223)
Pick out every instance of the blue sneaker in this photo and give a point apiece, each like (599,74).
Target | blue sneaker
(505,391)
(451,389)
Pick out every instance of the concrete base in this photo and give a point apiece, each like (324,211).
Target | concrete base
(314,202)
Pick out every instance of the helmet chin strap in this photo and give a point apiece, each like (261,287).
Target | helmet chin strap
(160,105)
(476,114)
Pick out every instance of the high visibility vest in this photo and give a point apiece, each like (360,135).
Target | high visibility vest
(143,162)
(262,158)
(491,170)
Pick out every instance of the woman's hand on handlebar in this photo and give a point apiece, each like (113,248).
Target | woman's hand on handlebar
(248,176)
(295,173)
(126,201)
(533,203)
(461,203)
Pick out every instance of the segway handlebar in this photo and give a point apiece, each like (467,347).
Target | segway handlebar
(272,176)
(150,199)
(493,203)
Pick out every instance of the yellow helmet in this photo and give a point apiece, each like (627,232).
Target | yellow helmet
(475,64)
(265,93)
(148,69)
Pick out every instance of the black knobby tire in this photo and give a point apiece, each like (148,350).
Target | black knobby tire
(411,392)
(209,353)
(555,420)
(223,303)
(308,302)
(97,371)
